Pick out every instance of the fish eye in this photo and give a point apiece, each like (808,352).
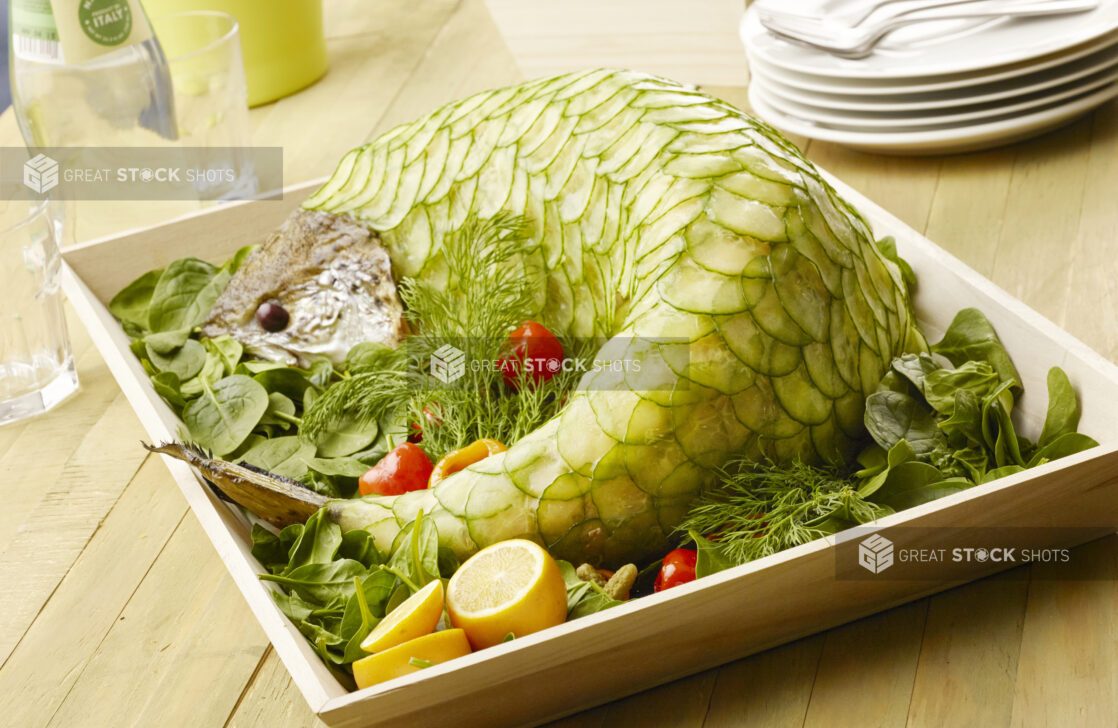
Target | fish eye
(272,317)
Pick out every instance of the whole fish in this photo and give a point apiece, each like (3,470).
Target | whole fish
(332,281)
(656,211)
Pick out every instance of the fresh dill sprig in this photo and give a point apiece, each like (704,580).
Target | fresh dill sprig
(759,509)
(488,291)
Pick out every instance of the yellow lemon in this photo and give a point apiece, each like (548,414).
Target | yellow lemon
(512,586)
(416,654)
(414,617)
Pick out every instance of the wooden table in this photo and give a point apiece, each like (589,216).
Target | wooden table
(115,611)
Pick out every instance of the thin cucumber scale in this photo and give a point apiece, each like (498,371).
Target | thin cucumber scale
(660,212)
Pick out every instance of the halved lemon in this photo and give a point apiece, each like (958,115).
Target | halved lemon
(510,587)
(413,655)
(414,617)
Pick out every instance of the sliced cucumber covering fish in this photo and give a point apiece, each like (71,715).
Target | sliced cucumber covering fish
(658,212)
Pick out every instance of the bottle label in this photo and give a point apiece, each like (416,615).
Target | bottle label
(107,22)
(34,33)
(75,31)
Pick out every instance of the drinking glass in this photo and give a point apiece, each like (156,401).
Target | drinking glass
(203,50)
(36,364)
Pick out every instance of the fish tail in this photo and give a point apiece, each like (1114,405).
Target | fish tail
(278,500)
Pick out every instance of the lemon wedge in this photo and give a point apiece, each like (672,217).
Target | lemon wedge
(413,655)
(510,587)
(414,617)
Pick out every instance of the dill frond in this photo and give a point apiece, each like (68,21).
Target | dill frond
(488,292)
(762,508)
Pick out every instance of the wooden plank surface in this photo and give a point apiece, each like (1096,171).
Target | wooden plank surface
(117,612)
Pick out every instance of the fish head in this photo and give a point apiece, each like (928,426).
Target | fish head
(317,286)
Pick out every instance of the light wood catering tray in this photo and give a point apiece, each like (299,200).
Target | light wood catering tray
(664,636)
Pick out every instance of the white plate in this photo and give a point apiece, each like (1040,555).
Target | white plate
(862,87)
(934,48)
(898,120)
(982,93)
(938,140)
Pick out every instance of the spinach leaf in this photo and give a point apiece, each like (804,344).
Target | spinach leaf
(1001,472)
(1068,443)
(226,413)
(888,248)
(271,550)
(583,597)
(415,553)
(168,386)
(902,452)
(942,386)
(212,372)
(280,412)
(290,381)
(710,558)
(234,264)
(317,543)
(965,423)
(359,546)
(228,349)
(346,467)
(592,601)
(915,368)
(184,362)
(281,455)
(184,294)
(131,304)
(891,417)
(166,342)
(1063,407)
(970,337)
(346,436)
(323,583)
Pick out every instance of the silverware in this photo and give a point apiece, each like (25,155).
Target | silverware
(861,13)
(859,42)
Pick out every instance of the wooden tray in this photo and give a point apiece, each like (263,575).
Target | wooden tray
(665,636)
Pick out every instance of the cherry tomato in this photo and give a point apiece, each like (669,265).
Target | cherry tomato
(678,568)
(404,469)
(430,419)
(535,348)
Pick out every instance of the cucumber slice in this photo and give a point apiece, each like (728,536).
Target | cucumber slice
(720,250)
(332,185)
(581,440)
(689,287)
(750,186)
(799,397)
(760,352)
(703,166)
(801,291)
(758,409)
(603,113)
(357,180)
(495,182)
(747,217)
(619,500)
(805,243)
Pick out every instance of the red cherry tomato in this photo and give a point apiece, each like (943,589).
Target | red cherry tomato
(430,419)
(533,348)
(678,568)
(404,469)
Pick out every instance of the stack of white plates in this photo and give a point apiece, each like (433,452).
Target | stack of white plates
(943,86)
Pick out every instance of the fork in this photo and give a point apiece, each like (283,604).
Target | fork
(853,19)
(860,42)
